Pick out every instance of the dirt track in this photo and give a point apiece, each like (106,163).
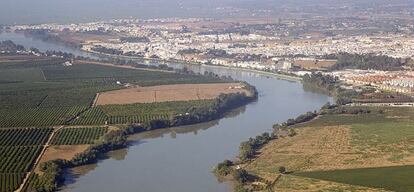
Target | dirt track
(163,93)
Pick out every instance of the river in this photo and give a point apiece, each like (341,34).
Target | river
(181,159)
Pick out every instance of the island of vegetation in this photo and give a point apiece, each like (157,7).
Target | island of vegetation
(59,111)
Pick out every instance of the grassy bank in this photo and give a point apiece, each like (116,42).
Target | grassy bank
(347,148)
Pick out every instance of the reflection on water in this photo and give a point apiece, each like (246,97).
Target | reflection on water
(172,132)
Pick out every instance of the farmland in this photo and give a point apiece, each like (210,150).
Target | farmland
(18,150)
(77,136)
(23,137)
(48,113)
(164,93)
(10,181)
(44,92)
(358,150)
(390,178)
(137,113)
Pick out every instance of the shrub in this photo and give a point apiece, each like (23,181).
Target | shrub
(241,175)
(223,168)
(282,170)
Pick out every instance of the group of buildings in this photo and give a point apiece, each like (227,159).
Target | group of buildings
(397,81)
(168,39)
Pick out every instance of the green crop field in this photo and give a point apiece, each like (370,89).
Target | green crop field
(107,73)
(398,178)
(45,93)
(136,113)
(20,64)
(77,136)
(37,117)
(93,116)
(137,118)
(18,150)
(24,137)
(18,159)
(21,75)
(10,181)
(169,108)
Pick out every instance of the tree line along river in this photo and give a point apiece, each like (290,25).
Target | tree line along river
(181,159)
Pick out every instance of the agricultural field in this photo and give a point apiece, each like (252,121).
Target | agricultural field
(10,181)
(33,183)
(389,178)
(21,75)
(24,137)
(164,93)
(136,113)
(108,73)
(29,63)
(78,136)
(344,148)
(93,116)
(37,117)
(44,92)
(305,184)
(18,150)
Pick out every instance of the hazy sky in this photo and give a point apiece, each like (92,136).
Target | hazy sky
(47,11)
(40,11)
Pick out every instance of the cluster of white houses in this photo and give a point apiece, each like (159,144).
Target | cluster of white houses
(398,81)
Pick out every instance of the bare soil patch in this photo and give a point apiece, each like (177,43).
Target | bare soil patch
(163,93)
(66,152)
(314,64)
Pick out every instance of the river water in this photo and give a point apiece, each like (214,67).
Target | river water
(181,159)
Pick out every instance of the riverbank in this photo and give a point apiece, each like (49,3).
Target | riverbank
(117,138)
(329,149)
(283,76)
(354,140)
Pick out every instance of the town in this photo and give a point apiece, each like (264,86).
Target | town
(253,44)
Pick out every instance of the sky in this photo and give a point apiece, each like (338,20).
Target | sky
(41,11)
(67,11)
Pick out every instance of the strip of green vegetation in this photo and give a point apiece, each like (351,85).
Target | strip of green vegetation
(391,178)
(107,73)
(169,108)
(37,117)
(138,113)
(20,75)
(78,136)
(20,64)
